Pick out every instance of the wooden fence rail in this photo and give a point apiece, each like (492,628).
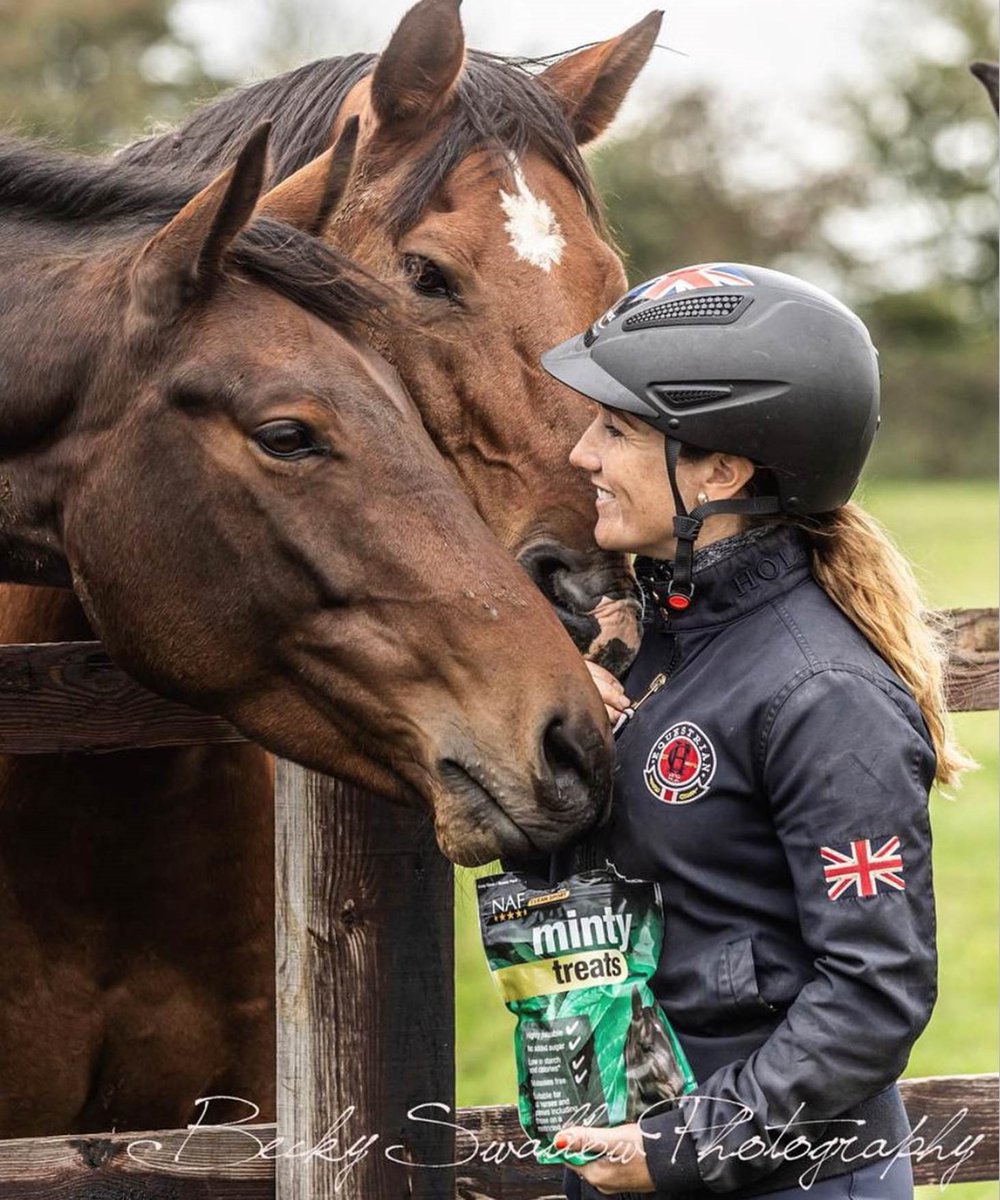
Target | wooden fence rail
(364,982)
(954,1141)
(69,696)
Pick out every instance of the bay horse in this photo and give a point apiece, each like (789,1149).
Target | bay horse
(470,198)
(193,437)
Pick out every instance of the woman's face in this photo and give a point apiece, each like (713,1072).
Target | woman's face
(624,459)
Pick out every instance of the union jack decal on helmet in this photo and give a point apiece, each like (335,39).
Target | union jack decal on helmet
(686,279)
(869,872)
(705,275)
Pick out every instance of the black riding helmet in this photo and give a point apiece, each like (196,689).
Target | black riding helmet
(742,360)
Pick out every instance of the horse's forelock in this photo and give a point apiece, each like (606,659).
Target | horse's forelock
(501,106)
(311,274)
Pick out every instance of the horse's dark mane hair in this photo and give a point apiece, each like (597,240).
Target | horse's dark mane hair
(300,105)
(88,200)
(311,274)
(500,106)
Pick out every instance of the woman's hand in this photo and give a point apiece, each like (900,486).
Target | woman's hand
(612,692)
(622,1168)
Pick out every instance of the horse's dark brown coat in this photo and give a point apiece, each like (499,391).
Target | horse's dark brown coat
(141,354)
(472,369)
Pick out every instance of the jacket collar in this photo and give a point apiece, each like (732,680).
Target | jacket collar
(731,578)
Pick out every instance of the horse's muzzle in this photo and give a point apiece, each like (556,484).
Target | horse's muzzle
(594,595)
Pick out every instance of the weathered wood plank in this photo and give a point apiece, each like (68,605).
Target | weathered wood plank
(68,696)
(950,1113)
(955,1115)
(365,992)
(966,1107)
(165,1165)
(972,667)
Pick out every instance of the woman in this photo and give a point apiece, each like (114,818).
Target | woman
(778,734)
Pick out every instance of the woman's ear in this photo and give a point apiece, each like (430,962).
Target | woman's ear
(728,475)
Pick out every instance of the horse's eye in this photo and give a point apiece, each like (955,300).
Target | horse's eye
(427,278)
(286,439)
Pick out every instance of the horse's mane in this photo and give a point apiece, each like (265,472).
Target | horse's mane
(83,199)
(301,106)
(500,106)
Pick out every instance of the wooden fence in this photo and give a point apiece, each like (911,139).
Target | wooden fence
(364,984)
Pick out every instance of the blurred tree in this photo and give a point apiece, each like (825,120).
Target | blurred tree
(928,138)
(310,29)
(902,224)
(931,146)
(94,73)
(674,196)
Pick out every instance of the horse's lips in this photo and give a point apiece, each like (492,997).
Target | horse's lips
(475,801)
(615,643)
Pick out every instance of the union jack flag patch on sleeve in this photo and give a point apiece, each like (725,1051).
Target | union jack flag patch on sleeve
(856,865)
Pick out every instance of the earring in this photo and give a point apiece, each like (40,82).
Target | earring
(702,498)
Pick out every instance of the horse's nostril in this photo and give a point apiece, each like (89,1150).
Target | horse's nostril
(568,762)
(563,578)
(544,564)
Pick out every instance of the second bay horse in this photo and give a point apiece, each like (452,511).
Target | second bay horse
(193,436)
(471,201)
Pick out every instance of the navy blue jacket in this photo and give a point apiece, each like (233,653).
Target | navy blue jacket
(776,786)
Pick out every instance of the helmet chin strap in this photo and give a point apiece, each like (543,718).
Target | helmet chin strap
(687,526)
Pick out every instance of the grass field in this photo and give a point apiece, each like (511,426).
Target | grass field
(949,531)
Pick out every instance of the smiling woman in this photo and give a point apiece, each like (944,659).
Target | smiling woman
(777,736)
(623,457)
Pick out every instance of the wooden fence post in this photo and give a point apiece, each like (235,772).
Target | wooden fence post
(365,1003)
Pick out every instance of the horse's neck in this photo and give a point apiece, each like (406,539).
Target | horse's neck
(52,334)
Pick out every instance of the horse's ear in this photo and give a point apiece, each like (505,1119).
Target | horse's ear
(636,1004)
(591,84)
(987,73)
(418,69)
(186,255)
(309,198)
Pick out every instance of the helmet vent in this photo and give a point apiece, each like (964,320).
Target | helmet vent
(677,396)
(711,309)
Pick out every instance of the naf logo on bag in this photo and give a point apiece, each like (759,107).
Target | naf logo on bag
(680,765)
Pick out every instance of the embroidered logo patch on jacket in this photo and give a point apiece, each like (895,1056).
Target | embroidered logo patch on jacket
(855,865)
(680,765)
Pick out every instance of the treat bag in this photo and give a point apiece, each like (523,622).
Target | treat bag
(572,961)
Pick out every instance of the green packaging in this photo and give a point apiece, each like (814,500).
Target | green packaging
(572,961)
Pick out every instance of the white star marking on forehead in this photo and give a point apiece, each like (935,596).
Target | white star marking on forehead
(531,225)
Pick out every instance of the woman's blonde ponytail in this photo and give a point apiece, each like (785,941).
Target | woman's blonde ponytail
(866,576)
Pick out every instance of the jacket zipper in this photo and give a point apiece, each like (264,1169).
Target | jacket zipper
(629,713)
(659,681)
